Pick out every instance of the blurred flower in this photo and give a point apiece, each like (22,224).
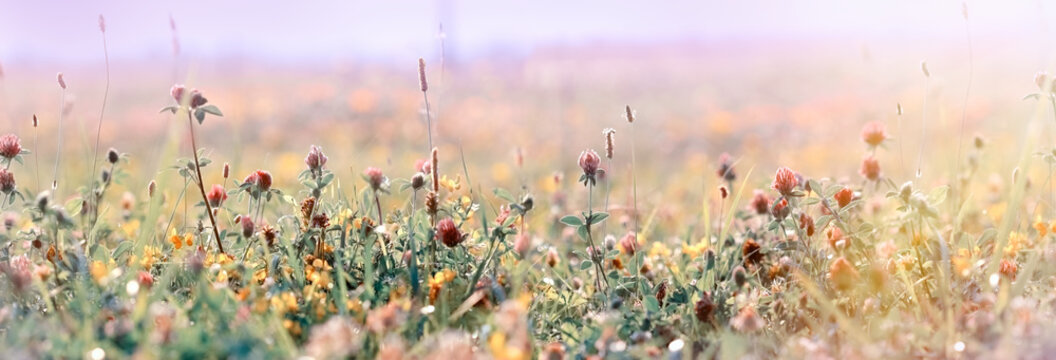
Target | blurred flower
(870,168)
(806,222)
(216,195)
(448,234)
(7,181)
(873,134)
(751,251)
(785,181)
(844,196)
(1009,269)
(629,243)
(760,202)
(552,257)
(259,181)
(781,209)
(247,225)
(842,274)
(374,177)
(725,170)
(704,309)
(10,146)
(747,320)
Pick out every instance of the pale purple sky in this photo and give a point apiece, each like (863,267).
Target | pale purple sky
(66,31)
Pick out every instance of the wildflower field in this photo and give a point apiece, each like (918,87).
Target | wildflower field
(577,203)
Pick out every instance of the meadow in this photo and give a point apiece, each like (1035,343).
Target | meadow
(586,203)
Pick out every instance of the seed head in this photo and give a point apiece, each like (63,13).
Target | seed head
(924,68)
(7,181)
(725,170)
(552,257)
(421,75)
(151,187)
(10,146)
(448,234)
(609,141)
(740,277)
(433,168)
(630,114)
(227,170)
(898,109)
(113,156)
(62,80)
(785,181)
(102,23)
(417,181)
(34,120)
(723,192)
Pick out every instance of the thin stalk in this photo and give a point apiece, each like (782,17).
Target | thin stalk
(99,127)
(594,249)
(58,147)
(201,188)
(428,120)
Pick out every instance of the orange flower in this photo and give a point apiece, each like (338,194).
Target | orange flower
(842,274)
(844,196)
(785,181)
(870,168)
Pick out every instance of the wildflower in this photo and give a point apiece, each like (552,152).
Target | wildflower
(422,166)
(216,196)
(247,225)
(1009,269)
(844,196)
(590,163)
(785,181)
(747,320)
(870,168)
(760,202)
(751,251)
(873,134)
(842,274)
(145,279)
(257,182)
(10,146)
(781,209)
(704,309)
(451,184)
(448,233)
(551,257)
(7,181)
(629,243)
(320,220)
(315,159)
(374,177)
(725,170)
(835,237)
(806,222)
(1040,226)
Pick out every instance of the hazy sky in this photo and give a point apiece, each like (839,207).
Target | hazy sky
(320,30)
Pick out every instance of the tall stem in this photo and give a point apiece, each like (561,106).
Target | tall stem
(428,120)
(201,188)
(595,251)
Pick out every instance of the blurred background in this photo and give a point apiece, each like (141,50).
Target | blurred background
(770,82)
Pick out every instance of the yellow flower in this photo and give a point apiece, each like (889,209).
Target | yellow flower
(1042,228)
(695,250)
(1016,242)
(98,271)
(451,185)
(176,241)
